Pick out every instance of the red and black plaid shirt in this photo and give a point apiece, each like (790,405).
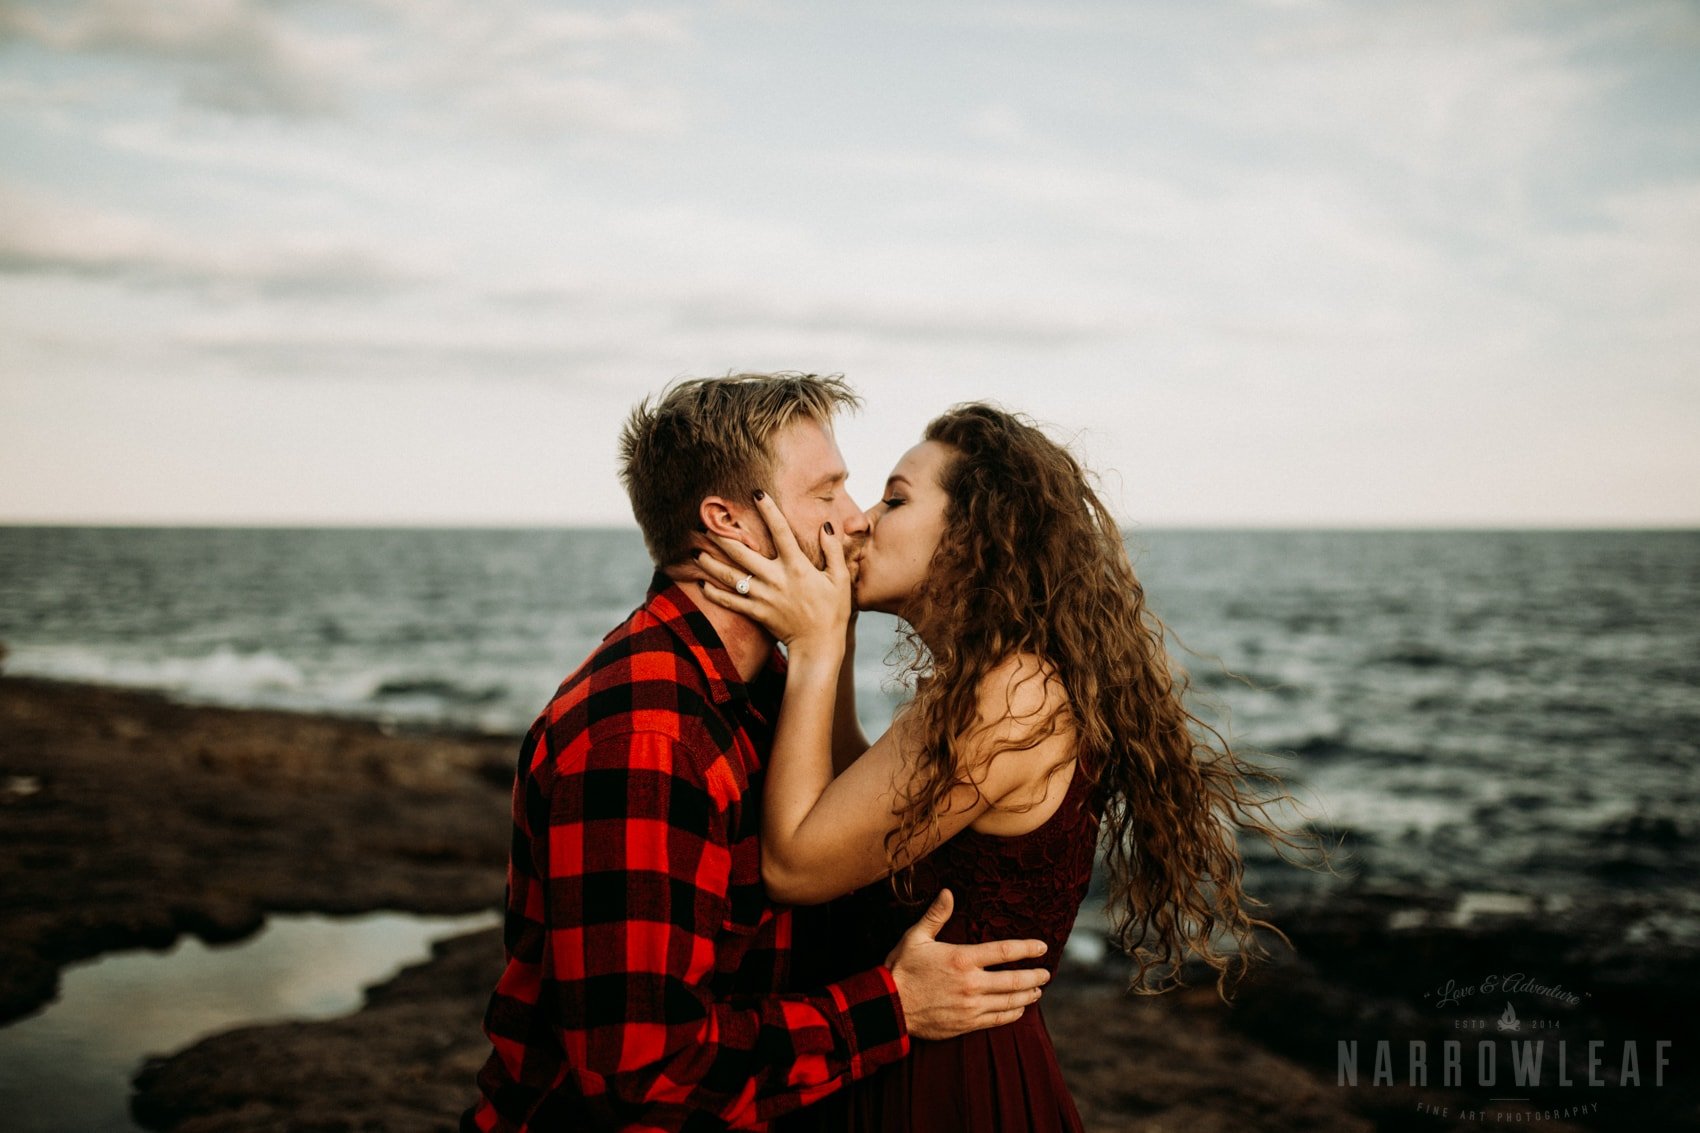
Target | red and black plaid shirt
(646,978)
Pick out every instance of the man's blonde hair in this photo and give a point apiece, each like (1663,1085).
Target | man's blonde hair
(711,437)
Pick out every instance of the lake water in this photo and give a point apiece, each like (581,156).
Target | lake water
(68,1068)
(1479,710)
(1512,712)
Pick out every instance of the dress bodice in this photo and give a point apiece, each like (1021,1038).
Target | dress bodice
(1023,886)
(998,1079)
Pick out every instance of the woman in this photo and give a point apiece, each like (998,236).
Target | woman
(1047,719)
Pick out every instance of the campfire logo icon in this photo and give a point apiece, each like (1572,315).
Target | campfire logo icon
(1509,1021)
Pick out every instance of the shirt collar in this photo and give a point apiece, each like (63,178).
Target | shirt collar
(672,606)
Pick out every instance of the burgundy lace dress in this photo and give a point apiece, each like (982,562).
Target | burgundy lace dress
(1005,1078)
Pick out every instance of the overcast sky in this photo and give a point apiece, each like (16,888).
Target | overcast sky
(1265,263)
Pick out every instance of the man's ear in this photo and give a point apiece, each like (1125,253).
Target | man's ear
(718,517)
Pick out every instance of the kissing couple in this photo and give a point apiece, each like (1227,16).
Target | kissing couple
(728,909)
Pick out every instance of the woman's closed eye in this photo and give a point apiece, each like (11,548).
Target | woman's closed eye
(894,501)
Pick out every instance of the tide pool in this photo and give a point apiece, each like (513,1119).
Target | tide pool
(67,1069)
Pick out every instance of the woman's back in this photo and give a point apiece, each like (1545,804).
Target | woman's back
(1005,1078)
(1027,886)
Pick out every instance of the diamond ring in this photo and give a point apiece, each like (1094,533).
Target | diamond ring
(742,586)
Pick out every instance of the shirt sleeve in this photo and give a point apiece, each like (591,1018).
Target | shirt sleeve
(636,866)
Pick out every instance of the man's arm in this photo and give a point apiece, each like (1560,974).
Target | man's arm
(848,739)
(947,990)
(636,865)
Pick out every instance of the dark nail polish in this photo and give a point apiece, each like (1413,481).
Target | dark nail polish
(760,495)
(829,528)
(696,554)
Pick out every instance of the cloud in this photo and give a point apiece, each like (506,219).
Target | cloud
(508,65)
(517,30)
(1629,281)
(42,237)
(416,357)
(518,68)
(1284,224)
(226,54)
(538,103)
(1001,124)
(1466,102)
(946,324)
(1056,17)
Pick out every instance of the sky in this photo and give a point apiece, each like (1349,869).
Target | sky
(1262,262)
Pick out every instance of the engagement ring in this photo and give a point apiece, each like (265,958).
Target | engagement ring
(743,584)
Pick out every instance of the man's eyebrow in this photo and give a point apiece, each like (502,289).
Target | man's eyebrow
(833,480)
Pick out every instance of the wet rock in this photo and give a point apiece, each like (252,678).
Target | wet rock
(144,819)
(405,1062)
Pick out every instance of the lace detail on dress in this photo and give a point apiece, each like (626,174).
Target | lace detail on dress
(1000,1079)
(1028,885)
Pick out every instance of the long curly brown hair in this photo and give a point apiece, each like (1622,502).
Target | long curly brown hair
(1032,562)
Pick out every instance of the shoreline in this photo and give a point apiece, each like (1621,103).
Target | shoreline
(128,819)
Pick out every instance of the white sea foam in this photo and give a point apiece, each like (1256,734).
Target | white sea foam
(1352,799)
(224,675)
(1473,705)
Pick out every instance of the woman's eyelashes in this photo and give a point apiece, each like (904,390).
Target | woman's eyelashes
(894,501)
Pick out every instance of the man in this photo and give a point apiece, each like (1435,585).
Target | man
(647,984)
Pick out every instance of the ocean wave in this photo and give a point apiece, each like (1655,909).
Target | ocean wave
(225,674)
(1441,694)
(1649,828)
(496,704)
(1416,655)
(436,688)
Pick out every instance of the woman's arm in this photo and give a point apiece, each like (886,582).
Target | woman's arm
(824,836)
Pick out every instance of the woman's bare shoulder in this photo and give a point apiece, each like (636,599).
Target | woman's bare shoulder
(1023,689)
(1028,755)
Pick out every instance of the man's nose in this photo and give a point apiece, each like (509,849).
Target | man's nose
(854,523)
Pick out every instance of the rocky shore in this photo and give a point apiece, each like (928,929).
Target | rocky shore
(126,820)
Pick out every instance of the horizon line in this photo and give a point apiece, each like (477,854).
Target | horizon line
(1126,526)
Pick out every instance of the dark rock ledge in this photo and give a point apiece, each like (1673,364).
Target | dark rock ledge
(127,820)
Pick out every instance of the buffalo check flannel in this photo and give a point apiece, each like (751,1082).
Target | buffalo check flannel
(645,986)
